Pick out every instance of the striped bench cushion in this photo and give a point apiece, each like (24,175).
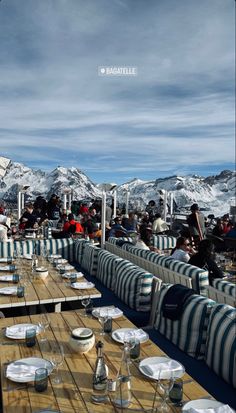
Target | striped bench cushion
(189,333)
(79,245)
(221,343)
(106,271)
(139,252)
(163,242)
(112,240)
(63,246)
(199,276)
(90,259)
(225,286)
(26,246)
(6,249)
(134,286)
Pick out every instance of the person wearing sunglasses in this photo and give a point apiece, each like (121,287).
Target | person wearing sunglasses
(182,250)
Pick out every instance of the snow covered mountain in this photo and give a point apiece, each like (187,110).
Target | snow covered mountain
(215,193)
(42,183)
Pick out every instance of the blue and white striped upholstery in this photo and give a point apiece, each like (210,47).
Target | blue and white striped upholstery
(189,333)
(164,242)
(106,271)
(6,249)
(134,286)
(199,276)
(90,259)
(63,246)
(225,286)
(135,250)
(221,343)
(112,240)
(79,245)
(26,246)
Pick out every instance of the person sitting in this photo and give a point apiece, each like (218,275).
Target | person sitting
(159,225)
(130,223)
(218,230)
(117,230)
(72,227)
(29,218)
(232,232)
(53,208)
(182,250)
(227,225)
(204,258)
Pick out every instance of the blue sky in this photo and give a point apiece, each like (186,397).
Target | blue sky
(175,117)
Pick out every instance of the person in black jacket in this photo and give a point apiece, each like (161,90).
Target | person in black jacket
(204,258)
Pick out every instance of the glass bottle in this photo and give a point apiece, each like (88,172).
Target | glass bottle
(122,397)
(100,377)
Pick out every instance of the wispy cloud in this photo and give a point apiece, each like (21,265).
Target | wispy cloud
(177,114)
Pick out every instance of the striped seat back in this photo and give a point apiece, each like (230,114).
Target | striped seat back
(221,343)
(106,271)
(134,286)
(90,259)
(189,333)
(6,249)
(225,286)
(62,246)
(164,242)
(79,245)
(199,276)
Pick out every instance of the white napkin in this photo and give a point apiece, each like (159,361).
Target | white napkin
(6,278)
(225,408)
(19,331)
(20,370)
(8,290)
(154,368)
(139,334)
(83,286)
(7,268)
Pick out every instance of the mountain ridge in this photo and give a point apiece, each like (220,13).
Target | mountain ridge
(215,193)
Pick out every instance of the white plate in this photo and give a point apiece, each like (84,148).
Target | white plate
(141,335)
(112,312)
(27,256)
(23,370)
(8,290)
(201,404)
(56,256)
(82,286)
(67,275)
(17,331)
(177,368)
(41,269)
(67,267)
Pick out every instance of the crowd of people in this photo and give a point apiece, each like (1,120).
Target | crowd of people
(196,242)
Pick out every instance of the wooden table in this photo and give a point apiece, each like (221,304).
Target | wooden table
(74,393)
(52,290)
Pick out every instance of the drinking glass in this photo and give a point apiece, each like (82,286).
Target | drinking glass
(85,302)
(57,359)
(41,379)
(43,324)
(129,343)
(102,318)
(166,382)
(30,337)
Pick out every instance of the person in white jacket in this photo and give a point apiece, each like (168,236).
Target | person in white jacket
(159,225)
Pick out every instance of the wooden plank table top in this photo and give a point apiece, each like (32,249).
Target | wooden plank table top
(74,392)
(52,289)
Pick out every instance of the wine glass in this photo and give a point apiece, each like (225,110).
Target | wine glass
(57,358)
(85,302)
(129,343)
(43,324)
(102,318)
(166,382)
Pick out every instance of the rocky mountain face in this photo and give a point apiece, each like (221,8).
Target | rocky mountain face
(214,194)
